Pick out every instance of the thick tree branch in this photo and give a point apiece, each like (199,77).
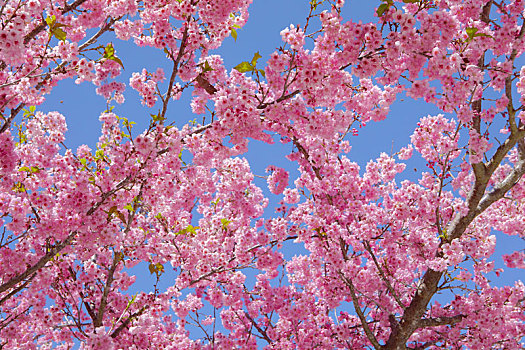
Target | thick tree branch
(127,321)
(40,27)
(359,312)
(503,187)
(383,276)
(261,331)
(440,321)
(59,246)
(117,258)
(17,289)
(40,264)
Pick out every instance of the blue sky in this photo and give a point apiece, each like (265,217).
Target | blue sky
(82,106)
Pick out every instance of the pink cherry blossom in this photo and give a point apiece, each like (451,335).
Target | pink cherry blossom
(171,238)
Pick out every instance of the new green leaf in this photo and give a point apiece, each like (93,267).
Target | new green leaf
(471,32)
(244,67)
(225,223)
(157,269)
(255,59)
(109,53)
(382,8)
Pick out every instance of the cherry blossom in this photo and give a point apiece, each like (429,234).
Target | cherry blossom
(351,257)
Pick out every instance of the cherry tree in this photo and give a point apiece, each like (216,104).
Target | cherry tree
(378,248)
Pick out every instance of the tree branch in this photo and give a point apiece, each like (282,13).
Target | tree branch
(127,321)
(359,312)
(259,329)
(175,70)
(440,321)
(383,277)
(59,246)
(31,35)
(109,281)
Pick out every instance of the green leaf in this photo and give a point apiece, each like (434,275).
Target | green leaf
(116,59)
(244,67)
(157,117)
(206,67)
(99,154)
(83,161)
(18,187)
(129,207)
(444,235)
(313,4)
(32,169)
(471,32)
(51,20)
(55,28)
(157,269)
(263,73)
(58,33)
(234,34)
(255,58)
(109,51)
(225,223)
(30,111)
(131,301)
(382,8)
(190,229)
(483,34)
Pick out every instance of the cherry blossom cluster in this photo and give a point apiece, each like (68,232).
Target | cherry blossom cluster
(146,85)
(370,255)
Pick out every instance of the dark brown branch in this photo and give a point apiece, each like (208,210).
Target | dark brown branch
(59,246)
(440,321)
(504,186)
(17,289)
(383,276)
(109,281)
(259,329)
(175,70)
(306,156)
(33,33)
(359,312)
(280,99)
(127,321)
(508,83)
